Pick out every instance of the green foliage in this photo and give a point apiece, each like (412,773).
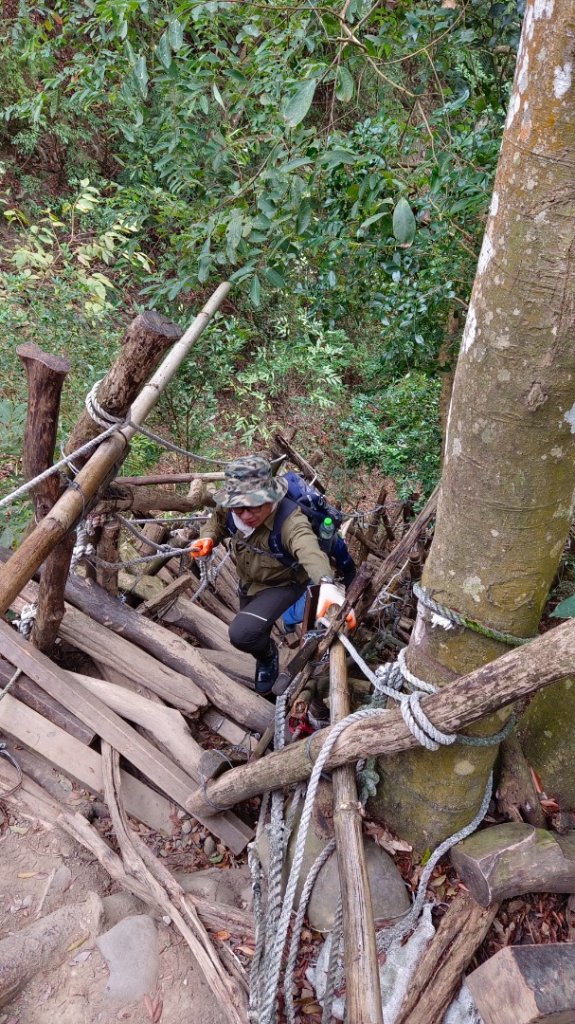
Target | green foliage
(397,430)
(337,170)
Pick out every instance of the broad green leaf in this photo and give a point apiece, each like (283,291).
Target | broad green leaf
(274,277)
(255,290)
(204,105)
(218,96)
(243,272)
(141,76)
(175,34)
(343,85)
(266,207)
(292,165)
(335,157)
(566,609)
(303,217)
(299,104)
(403,222)
(164,51)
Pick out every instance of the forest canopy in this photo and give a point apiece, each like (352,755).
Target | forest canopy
(335,162)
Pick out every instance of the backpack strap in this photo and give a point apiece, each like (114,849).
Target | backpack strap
(283,511)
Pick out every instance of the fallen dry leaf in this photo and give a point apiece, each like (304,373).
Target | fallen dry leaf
(222,936)
(27,874)
(247,950)
(149,1006)
(311,1008)
(158,1008)
(78,942)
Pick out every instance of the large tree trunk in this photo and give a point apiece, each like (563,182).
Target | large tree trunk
(505,502)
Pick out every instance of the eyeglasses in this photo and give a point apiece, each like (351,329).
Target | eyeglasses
(240,509)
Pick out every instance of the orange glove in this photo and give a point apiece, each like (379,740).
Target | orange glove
(202,547)
(330,594)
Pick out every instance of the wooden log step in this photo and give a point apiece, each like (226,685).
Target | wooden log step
(234,700)
(511,859)
(237,666)
(170,778)
(527,985)
(207,629)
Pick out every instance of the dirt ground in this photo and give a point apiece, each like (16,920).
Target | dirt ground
(43,869)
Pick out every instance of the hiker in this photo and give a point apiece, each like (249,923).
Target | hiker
(251,502)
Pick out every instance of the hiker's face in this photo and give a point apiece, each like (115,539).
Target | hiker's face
(254,517)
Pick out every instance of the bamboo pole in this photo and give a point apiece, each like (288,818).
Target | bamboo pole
(101,467)
(363,993)
(455,706)
(168,478)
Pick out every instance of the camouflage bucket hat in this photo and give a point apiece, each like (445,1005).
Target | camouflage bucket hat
(249,482)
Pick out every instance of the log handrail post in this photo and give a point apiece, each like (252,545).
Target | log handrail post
(101,467)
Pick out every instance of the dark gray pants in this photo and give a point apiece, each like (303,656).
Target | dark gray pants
(250,630)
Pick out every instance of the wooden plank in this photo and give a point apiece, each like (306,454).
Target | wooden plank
(29,693)
(156,605)
(527,985)
(79,762)
(106,646)
(152,762)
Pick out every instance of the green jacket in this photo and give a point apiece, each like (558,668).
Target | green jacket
(257,567)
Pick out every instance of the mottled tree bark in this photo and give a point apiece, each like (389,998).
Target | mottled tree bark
(505,502)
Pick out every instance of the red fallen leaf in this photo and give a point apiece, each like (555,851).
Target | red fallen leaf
(536,780)
(550,805)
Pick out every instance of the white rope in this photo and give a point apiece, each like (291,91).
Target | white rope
(66,461)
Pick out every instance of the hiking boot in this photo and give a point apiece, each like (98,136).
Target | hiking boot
(267,671)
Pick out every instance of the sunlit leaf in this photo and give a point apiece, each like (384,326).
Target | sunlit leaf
(141,76)
(218,96)
(299,104)
(175,34)
(164,51)
(255,291)
(403,222)
(344,85)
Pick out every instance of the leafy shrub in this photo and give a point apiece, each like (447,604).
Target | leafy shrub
(397,430)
